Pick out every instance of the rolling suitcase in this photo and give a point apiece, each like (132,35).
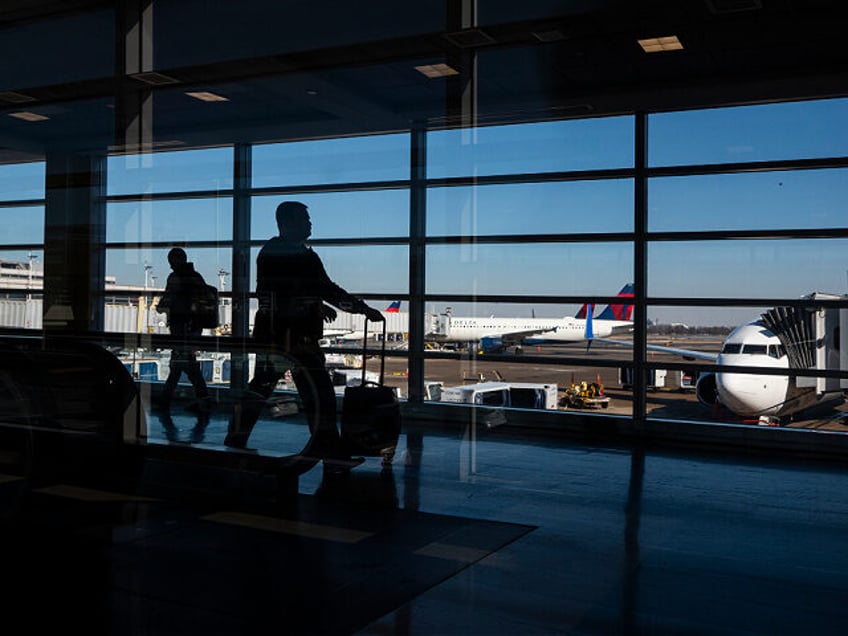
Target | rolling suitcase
(370,423)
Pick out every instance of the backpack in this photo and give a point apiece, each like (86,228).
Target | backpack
(204,307)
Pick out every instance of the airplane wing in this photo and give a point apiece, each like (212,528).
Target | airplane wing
(687,354)
(512,337)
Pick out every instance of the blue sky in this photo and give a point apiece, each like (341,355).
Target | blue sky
(744,268)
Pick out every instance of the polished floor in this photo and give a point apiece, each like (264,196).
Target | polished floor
(470,531)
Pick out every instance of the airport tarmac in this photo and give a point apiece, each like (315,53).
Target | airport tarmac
(667,402)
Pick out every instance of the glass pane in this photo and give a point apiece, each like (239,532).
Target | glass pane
(178,220)
(180,171)
(587,144)
(538,208)
(798,199)
(373,269)
(532,268)
(746,269)
(798,130)
(367,214)
(21,181)
(350,160)
(21,225)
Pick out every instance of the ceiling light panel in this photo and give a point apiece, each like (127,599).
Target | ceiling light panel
(206,96)
(656,45)
(28,116)
(436,70)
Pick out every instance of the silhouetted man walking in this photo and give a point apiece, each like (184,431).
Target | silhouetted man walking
(292,288)
(183,287)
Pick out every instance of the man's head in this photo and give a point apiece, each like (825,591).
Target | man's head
(177,257)
(293,221)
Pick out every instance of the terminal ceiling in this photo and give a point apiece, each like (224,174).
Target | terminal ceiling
(297,70)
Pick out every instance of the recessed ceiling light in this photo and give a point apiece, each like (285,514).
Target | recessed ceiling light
(655,45)
(205,96)
(28,116)
(436,70)
(154,79)
(14,97)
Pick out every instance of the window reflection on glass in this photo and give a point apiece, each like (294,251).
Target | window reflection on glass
(532,268)
(347,160)
(798,199)
(179,220)
(787,268)
(794,130)
(174,171)
(537,208)
(367,214)
(588,144)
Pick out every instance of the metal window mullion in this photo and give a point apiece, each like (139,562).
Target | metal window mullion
(417,260)
(640,268)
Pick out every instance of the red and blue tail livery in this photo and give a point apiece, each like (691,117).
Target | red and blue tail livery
(619,312)
(393,308)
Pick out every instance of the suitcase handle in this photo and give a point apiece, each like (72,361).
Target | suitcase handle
(365,350)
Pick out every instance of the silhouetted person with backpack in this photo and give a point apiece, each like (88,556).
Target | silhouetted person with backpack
(179,301)
(292,287)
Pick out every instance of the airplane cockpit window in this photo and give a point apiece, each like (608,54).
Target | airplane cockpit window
(754,349)
(731,347)
(776,351)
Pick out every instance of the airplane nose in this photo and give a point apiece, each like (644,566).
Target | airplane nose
(746,394)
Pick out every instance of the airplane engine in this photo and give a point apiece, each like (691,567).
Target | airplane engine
(706,390)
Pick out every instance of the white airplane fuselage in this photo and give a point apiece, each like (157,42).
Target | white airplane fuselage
(567,329)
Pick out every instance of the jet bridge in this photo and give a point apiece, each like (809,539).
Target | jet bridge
(814,338)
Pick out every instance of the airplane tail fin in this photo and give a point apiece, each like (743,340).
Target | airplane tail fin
(589,334)
(619,312)
(393,308)
(581,313)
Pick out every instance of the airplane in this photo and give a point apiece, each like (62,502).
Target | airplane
(498,334)
(781,338)
(357,334)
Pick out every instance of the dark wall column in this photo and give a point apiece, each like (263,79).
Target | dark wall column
(74,233)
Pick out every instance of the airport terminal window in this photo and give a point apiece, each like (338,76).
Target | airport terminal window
(331,161)
(208,169)
(22,181)
(763,268)
(585,144)
(742,134)
(21,245)
(360,214)
(170,220)
(552,207)
(533,268)
(773,200)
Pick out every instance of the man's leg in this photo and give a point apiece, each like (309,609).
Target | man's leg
(248,410)
(319,402)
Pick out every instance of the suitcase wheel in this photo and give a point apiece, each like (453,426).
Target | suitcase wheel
(388,454)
